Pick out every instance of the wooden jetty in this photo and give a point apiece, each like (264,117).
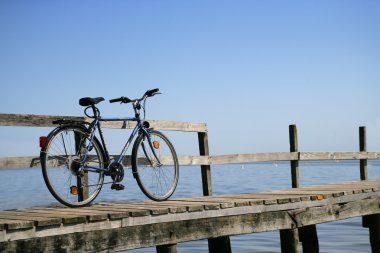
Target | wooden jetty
(107,227)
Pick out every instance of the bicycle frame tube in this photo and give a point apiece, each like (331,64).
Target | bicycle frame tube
(116,119)
(97,125)
(130,139)
(136,129)
(133,134)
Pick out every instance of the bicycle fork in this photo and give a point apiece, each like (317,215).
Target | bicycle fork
(147,135)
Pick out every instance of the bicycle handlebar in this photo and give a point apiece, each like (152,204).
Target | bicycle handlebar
(120,99)
(151,93)
(148,93)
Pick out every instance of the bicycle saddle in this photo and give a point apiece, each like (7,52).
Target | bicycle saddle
(87,101)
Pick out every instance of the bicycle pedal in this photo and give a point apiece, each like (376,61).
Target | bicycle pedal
(117,187)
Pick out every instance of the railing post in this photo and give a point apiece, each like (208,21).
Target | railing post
(205,169)
(82,182)
(293,138)
(220,244)
(290,238)
(369,221)
(363,148)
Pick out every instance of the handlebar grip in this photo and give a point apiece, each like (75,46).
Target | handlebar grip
(150,93)
(116,100)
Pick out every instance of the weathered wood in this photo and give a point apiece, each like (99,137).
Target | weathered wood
(37,219)
(315,156)
(194,160)
(12,224)
(374,232)
(373,223)
(205,169)
(289,241)
(363,148)
(130,237)
(19,162)
(46,121)
(32,161)
(309,238)
(151,229)
(171,248)
(219,245)
(248,158)
(294,163)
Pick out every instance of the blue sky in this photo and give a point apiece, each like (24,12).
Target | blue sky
(246,68)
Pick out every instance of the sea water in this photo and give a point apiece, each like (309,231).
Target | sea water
(23,188)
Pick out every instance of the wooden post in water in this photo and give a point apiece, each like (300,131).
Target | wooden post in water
(289,237)
(309,238)
(220,244)
(171,248)
(372,222)
(363,148)
(289,241)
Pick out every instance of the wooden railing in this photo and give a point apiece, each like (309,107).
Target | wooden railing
(46,121)
(205,160)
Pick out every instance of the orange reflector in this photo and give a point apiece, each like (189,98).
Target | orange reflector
(42,141)
(74,190)
(156,145)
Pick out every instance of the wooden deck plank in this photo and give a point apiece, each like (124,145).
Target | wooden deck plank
(15,224)
(38,219)
(73,213)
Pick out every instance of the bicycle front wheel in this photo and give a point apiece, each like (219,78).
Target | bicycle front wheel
(155,165)
(66,159)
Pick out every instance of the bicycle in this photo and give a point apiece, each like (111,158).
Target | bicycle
(74,162)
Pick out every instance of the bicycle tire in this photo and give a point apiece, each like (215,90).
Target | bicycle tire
(60,161)
(157,182)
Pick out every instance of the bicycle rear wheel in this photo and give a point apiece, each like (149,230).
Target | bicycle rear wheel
(64,164)
(157,175)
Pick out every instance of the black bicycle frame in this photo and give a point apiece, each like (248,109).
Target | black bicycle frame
(138,128)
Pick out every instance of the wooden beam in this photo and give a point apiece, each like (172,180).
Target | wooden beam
(258,157)
(31,161)
(315,156)
(46,121)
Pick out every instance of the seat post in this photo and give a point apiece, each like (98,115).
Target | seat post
(95,111)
